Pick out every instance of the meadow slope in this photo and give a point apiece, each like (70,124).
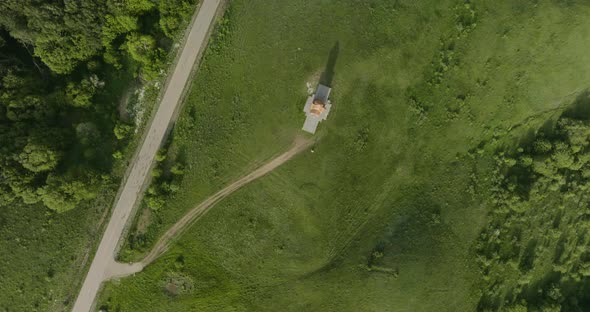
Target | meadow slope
(385,214)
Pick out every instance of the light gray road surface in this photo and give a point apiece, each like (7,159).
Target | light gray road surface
(103,265)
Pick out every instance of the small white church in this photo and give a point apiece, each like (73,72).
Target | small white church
(317,108)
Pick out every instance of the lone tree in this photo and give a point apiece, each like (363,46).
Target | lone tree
(38,158)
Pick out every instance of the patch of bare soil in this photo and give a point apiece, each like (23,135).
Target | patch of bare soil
(312,81)
(123,106)
(144,220)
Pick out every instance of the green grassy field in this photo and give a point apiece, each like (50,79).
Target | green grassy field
(43,254)
(385,214)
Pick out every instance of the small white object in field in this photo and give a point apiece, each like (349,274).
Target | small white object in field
(138,108)
(309,88)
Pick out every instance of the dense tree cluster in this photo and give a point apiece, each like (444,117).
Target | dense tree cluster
(535,252)
(66,34)
(53,59)
(35,140)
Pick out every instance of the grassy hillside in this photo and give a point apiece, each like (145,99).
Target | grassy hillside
(44,254)
(385,214)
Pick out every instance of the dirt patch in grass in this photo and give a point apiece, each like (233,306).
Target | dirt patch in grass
(144,220)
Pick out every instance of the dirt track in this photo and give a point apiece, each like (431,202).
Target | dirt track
(299,145)
(117,269)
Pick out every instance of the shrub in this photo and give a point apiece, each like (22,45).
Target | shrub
(155,202)
(177,169)
(118,155)
(122,130)
(161,155)
(80,94)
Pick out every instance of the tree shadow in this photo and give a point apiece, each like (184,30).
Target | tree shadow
(489,302)
(328,73)
(536,293)
(580,109)
(527,260)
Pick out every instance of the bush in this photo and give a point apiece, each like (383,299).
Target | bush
(118,155)
(155,202)
(81,94)
(122,130)
(177,169)
(161,155)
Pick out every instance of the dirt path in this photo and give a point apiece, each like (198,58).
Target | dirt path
(117,269)
(185,222)
(103,265)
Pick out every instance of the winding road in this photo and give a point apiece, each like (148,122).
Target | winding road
(104,265)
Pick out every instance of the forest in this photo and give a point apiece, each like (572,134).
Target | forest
(59,124)
(533,254)
(79,81)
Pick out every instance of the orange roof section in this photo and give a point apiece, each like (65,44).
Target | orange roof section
(317,107)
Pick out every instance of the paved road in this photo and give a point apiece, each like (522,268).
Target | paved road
(103,265)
